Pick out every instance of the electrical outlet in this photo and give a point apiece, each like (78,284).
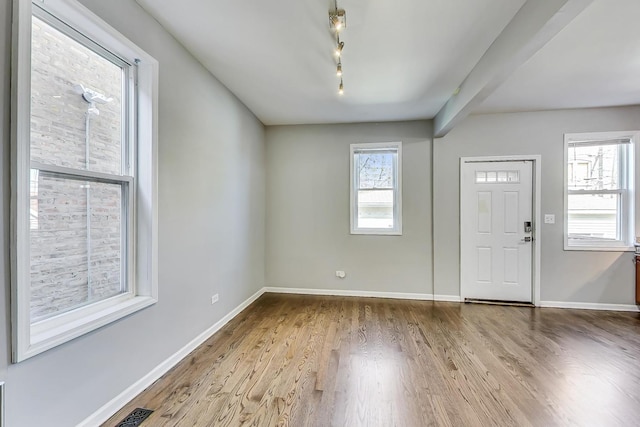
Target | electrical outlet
(214,299)
(549,219)
(340,274)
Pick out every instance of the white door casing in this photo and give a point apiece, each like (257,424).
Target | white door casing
(496,250)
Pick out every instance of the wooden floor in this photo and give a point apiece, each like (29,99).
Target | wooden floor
(334,361)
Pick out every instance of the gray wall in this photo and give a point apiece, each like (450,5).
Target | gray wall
(574,276)
(211,221)
(308,235)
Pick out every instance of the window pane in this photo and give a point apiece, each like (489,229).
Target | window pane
(76,103)
(514,176)
(375,209)
(594,216)
(76,255)
(594,167)
(375,169)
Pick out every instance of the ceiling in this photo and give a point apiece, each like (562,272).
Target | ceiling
(593,62)
(402,60)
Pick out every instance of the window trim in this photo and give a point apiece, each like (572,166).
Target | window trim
(627,193)
(31,339)
(397,191)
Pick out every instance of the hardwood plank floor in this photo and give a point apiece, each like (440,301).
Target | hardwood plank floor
(336,361)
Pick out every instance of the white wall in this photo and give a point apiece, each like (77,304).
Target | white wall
(308,235)
(573,276)
(211,239)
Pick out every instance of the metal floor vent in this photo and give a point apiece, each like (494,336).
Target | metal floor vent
(498,302)
(135,418)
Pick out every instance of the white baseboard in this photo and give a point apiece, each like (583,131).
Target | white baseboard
(450,298)
(113,406)
(590,306)
(349,293)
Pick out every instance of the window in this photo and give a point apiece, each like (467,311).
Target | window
(84,178)
(599,202)
(497,177)
(376,188)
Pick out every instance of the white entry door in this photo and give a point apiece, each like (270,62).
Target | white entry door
(496,209)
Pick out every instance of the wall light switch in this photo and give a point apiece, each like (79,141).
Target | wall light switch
(549,219)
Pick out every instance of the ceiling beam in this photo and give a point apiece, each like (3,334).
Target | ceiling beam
(535,24)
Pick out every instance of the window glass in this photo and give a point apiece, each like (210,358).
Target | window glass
(375,189)
(75,224)
(594,216)
(74,260)
(76,103)
(594,167)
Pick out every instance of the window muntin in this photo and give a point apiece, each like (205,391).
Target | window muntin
(112,182)
(375,190)
(598,193)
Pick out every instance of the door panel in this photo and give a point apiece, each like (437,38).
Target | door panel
(511,216)
(484,265)
(484,212)
(511,266)
(496,201)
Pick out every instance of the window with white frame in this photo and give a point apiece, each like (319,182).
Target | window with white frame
(376,188)
(84,177)
(599,202)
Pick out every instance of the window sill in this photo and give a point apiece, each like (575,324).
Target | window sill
(377,232)
(50,333)
(599,248)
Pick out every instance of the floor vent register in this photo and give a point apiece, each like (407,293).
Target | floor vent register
(135,418)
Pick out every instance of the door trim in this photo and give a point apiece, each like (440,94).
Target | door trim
(536,160)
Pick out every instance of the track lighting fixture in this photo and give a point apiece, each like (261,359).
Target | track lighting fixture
(339,47)
(338,19)
(338,22)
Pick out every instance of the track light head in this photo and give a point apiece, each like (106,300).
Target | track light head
(339,69)
(337,20)
(341,88)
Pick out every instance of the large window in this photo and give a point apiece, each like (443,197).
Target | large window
(376,190)
(84,186)
(599,199)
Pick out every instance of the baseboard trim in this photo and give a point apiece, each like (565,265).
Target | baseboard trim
(115,404)
(449,298)
(349,293)
(590,306)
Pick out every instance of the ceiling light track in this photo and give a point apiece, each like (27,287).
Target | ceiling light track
(337,23)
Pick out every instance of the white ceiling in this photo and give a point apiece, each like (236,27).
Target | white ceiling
(402,59)
(593,62)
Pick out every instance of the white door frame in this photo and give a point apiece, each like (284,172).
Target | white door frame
(536,159)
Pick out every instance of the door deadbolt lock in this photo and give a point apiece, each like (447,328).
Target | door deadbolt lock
(527,239)
(527,226)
